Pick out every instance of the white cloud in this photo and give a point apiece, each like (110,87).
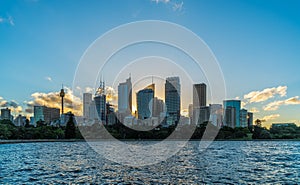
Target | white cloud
(254,110)
(175,5)
(48,78)
(266,94)
(243,104)
(89,90)
(52,99)
(276,104)
(271,117)
(161,1)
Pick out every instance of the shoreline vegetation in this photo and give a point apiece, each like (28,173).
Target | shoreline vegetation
(9,133)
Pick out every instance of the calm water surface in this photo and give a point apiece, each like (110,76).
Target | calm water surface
(231,162)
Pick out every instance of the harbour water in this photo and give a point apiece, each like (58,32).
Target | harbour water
(232,162)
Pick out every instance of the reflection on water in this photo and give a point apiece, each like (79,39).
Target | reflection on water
(236,162)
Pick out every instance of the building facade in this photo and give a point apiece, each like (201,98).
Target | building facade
(87,100)
(199,95)
(172,99)
(216,114)
(229,117)
(46,114)
(6,114)
(232,113)
(145,103)
(100,103)
(125,96)
(158,107)
(243,118)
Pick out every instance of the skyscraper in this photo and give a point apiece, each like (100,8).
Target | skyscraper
(172,98)
(93,115)
(216,113)
(232,113)
(230,116)
(158,107)
(145,102)
(87,101)
(200,110)
(204,114)
(199,95)
(243,118)
(100,102)
(125,96)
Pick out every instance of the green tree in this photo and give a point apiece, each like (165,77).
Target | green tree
(70,132)
(27,125)
(40,123)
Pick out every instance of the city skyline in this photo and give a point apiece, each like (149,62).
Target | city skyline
(256,48)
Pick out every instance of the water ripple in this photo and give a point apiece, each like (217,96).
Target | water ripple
(234,162)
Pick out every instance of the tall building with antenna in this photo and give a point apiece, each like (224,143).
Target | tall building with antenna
(62,95)
(100,102)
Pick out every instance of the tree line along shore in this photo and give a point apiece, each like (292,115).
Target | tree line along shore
(45,133)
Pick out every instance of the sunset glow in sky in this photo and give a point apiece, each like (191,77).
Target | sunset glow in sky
(256,43)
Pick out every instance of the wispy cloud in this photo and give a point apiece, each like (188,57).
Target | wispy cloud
(254,110)
(276,104)
(48,78)
(271,117)
(9,20)
(175,5)
(266,94)
(161,1)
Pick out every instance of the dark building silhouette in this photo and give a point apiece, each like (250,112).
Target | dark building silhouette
(199,95)
(62,95)
(100,102)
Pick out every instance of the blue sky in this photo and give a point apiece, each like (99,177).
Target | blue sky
(256,42)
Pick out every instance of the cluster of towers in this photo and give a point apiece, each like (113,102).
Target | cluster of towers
(148,106)
(152,110)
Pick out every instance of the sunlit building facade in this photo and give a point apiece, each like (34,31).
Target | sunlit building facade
(125,96)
